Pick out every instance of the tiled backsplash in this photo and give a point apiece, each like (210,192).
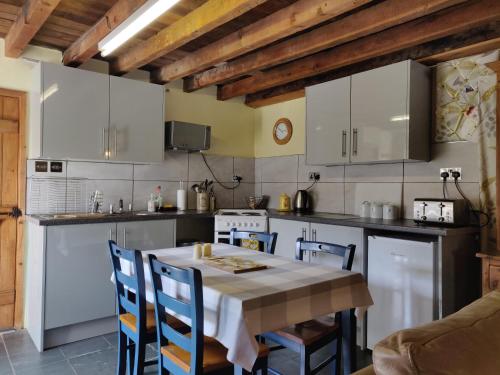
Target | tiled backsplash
(341,189)
(135,182)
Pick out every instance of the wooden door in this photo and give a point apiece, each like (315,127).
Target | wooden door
(12,185)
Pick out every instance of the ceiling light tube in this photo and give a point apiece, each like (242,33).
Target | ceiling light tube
(140,19)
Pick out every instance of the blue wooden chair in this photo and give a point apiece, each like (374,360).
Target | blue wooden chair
(192,353)
(136,318)
(267,241)
(307,337)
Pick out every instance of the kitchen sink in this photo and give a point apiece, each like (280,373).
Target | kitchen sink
(77,215)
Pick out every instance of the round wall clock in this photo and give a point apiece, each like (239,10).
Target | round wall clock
(282,131)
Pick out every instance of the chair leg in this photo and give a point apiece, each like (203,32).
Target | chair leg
(121,369)
(336,365)
(264,366)
(140,353)
(131,356)
(305,365)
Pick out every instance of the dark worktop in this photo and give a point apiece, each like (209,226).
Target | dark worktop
(400,225)
(48,220)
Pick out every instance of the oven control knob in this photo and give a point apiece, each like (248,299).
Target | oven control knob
(257,224)
(245,224)
(441,219)
(234,224)
(251,224)
(424,217)
(239,224)
(228,224)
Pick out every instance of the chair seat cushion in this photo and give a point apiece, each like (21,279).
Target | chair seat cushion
(466,342)
(129,320)
(311,331)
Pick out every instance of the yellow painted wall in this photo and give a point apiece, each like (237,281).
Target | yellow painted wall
(264,120)
(232,121)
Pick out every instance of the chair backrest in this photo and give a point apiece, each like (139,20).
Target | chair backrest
(346,252)
(267,241)
(191,309)
(130,289)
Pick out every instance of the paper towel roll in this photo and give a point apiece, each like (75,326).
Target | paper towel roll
(182,199)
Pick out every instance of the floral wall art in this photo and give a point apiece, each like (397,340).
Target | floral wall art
(466,111)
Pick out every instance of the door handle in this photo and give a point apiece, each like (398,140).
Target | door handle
(15,213)
(354,141)
(344,143)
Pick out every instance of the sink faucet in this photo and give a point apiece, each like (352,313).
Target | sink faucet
(95,202)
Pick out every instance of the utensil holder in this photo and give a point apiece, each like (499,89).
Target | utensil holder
(202,202)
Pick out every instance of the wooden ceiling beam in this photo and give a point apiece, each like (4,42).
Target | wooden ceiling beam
(447,22)
(85,47)
(203,19)
(287,21)
(29,20)
(479,40)
(365,22)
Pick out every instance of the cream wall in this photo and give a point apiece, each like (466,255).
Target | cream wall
(264,120)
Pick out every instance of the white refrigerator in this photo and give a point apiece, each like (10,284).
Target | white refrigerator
(403,284)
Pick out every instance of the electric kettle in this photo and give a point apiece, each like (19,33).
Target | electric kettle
(301,201)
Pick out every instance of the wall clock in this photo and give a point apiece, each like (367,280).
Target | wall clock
(282,131)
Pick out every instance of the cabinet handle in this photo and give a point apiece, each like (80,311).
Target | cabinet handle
(110,234)
(304,232)
(116,141)
(124,237)
(344,143)
(354,141)
(314,234)
(103,138)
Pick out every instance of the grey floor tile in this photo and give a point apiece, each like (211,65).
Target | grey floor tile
(18,342)
(5,367)
(112,338)
(3,353)
(82,347)
(102,363)
(28,360)
(57,368)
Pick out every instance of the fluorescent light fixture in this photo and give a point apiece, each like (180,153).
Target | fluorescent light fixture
(400,118)
(142,17)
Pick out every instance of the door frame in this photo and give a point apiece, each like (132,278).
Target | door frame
(21,194)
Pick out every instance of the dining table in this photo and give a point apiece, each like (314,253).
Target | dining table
(240,306)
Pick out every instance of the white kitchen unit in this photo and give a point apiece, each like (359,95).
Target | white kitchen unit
(328,121)
(79,114)
(69,294)
(136,120)
(402,278)
(288,232)
(391,113)
(382,115)
(74,113)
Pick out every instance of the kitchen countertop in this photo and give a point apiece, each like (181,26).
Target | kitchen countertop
(401,225)
(48,220)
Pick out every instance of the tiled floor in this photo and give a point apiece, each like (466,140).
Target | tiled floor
(98,356)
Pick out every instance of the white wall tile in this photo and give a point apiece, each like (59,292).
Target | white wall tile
(241,194)
(112,190)
(258,169)
(143,190)
(274,189)
(174,168)
(374,173)
(245,167)
(99,171)
(327,174)
(456,154)
(222,166)
(326,196)
(357,192)
(280,169)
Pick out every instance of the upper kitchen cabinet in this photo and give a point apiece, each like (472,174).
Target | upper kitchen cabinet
(328,122)
(74,113)
(391,113)
(136,121)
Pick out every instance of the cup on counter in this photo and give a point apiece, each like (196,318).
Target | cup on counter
(376,210)
(390,211)
(365,209)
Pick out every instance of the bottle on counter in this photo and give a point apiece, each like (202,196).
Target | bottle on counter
(159,199)
(152,203)
(181,197)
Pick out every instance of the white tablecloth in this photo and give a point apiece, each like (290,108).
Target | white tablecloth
(239,306)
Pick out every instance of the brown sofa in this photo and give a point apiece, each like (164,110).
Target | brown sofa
(464,343)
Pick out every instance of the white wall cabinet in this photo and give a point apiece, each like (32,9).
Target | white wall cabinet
(328,121)
(136,120)
(387,117)
(146,235)
(74,114)
(92,116)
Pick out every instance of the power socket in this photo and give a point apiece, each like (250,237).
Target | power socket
(237,178)
(450,170)
(314,176)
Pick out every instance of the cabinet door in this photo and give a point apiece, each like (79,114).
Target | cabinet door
(136,120)
(147,235)
(75,113)
(339,235)
(379,114)
(77,274)
(288,232)
(328,122)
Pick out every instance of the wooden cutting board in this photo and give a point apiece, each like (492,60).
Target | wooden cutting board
(234,264)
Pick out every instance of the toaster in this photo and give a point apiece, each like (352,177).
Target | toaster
(440,211)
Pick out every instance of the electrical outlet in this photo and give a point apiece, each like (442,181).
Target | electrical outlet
(450,170)
(314,176)
(237,178)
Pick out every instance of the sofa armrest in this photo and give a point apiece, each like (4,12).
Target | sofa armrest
(365,371)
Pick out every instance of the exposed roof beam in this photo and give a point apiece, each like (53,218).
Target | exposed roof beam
(284,97)
(455,46)
(413,33)
(198,22)
(367,21)
(85,47)
(287,21)
(30,19)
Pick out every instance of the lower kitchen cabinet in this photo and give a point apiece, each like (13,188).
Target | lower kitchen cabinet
(288,232)
(77,274)
(146,235)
